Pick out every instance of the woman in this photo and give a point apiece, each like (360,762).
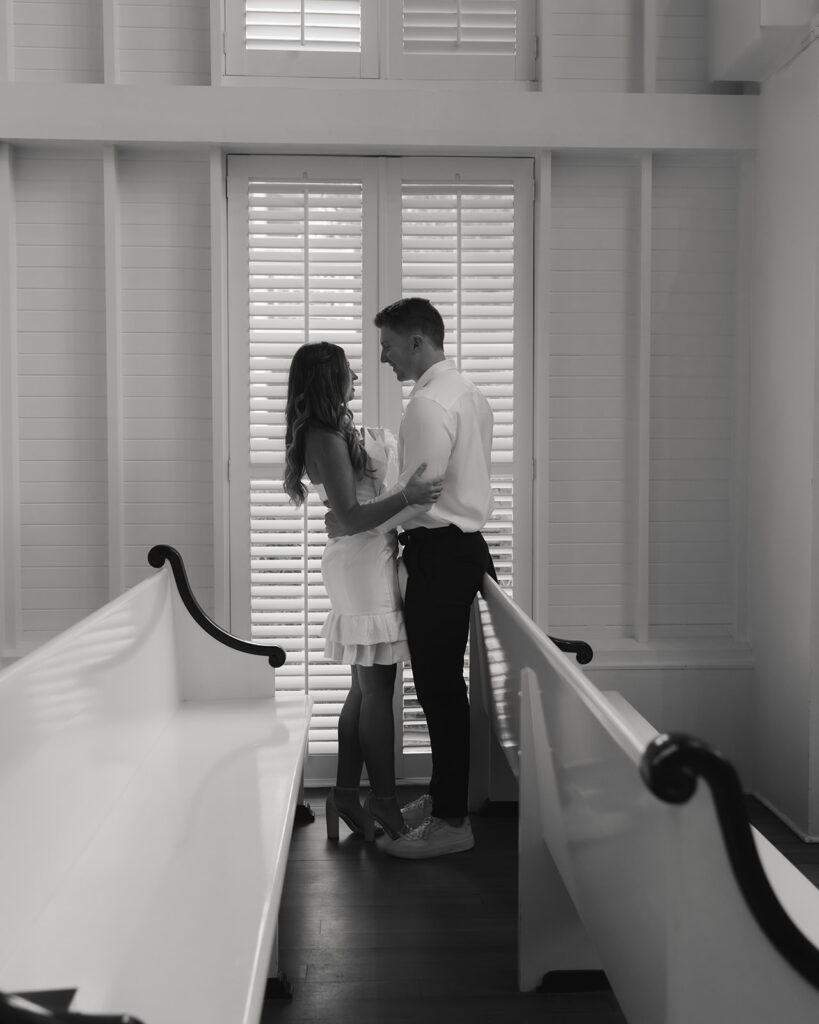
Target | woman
(365,628)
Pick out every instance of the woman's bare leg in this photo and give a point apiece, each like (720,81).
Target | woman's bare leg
(350,754)
(376,734)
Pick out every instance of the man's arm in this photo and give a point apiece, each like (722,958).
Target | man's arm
(424,430)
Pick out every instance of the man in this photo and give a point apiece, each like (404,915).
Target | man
(447,425)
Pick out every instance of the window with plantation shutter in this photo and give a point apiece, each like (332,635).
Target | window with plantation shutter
(422,39)
(297,260)
(462,246)
(305,265)
(321,38)
(463,39)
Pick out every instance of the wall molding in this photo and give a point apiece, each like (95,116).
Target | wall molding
(323,117)
(665,655)
(113,336)
(219,337)
(11,602)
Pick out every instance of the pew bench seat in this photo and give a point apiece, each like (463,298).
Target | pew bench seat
(147,798)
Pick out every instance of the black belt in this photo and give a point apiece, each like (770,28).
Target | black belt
(426,532)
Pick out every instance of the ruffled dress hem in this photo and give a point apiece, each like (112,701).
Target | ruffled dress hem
(365,639)
(367,654)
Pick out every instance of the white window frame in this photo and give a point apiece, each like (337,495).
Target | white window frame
(298,63)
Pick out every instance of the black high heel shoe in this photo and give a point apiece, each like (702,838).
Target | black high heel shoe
(357,819)
(373,815)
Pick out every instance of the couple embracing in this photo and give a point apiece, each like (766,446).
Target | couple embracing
(435,486)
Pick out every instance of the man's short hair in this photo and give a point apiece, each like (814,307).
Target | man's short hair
(413,316)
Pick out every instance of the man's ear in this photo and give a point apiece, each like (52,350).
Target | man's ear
(417,341)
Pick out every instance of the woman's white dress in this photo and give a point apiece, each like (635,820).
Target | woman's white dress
(366,622)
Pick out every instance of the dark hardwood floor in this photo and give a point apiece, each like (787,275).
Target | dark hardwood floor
(367,939)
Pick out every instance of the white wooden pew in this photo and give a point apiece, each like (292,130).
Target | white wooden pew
(149,777)
(636,856)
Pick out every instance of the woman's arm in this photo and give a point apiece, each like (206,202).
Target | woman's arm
(328,462)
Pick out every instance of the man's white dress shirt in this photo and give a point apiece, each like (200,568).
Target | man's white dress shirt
(448,425)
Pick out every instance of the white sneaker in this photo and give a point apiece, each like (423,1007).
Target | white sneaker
(433,838)
(417,811)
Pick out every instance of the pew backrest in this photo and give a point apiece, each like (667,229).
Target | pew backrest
(612,876)
(149,776)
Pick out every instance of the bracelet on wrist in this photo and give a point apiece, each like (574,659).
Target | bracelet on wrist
(404,496)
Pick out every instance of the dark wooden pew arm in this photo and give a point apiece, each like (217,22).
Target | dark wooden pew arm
(157,557)
(579,648)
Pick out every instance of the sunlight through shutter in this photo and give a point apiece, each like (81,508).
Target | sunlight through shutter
(327,25)
(312,38)
(460,26)
(305,285)
(463,39)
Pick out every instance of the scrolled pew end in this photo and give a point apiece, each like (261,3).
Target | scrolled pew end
(161,553)
(670,767)
(579,648)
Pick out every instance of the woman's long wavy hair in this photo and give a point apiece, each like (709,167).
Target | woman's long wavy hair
(316,397)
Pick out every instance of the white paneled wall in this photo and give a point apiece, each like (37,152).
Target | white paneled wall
(593,335)
(114,412)
(166,361)
(682,46)
(593,45)
(601,45)
(693,369)
(61,387)
(596,478)
(57,40)
(164,41)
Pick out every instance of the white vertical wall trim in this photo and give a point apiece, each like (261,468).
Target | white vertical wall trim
(110,41)
(113,334)
(6,41)
(10,587)
(746,243)
(542,45)
(649,45)
(525,390)
(217,46)
(238,175)
(221,441)
(643,414)
(540,375)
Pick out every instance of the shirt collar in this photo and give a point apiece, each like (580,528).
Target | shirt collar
(442,366)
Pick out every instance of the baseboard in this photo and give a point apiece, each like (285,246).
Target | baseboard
(785,819)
